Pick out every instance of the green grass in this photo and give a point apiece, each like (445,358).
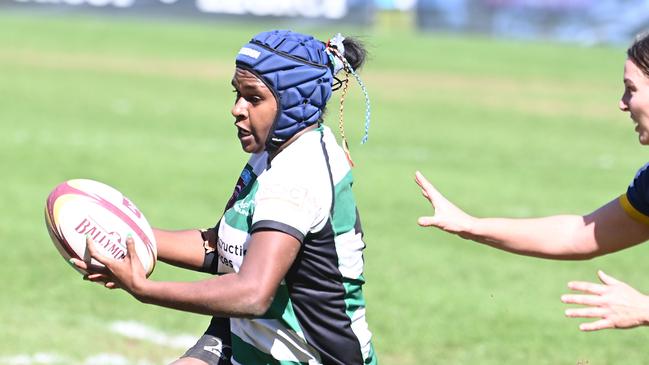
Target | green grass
(502,128)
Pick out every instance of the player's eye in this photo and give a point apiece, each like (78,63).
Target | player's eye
(254,99)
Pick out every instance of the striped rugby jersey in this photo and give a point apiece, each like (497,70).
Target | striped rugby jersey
(636,200)
(318,313)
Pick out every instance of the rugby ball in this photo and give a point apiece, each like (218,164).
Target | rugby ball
(80,207)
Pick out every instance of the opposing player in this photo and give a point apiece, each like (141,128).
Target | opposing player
(289,246)
(619,224)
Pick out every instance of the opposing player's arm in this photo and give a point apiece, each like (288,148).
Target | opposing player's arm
(611,228)
(572,237)
(184,248)
(246,293)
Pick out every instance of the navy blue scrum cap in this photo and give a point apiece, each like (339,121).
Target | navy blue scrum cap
(297,69)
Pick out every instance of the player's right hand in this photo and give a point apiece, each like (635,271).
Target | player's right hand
(447,217)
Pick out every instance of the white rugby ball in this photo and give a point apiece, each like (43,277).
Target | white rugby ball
(79,208)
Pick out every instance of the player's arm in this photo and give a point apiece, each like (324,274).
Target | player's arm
(571,237)
(246,293)
(184,248)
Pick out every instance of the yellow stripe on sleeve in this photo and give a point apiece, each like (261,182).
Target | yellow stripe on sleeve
(631,211)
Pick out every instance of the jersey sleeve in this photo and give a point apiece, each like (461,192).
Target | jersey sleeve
(291,201)
(636,200)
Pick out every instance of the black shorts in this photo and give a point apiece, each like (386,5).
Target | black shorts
(214,347)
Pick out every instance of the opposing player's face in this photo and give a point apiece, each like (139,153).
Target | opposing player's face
(635,99)
(254,110)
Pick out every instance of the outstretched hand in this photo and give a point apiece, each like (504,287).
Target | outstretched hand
(127,273)
(448,217)
(615,304)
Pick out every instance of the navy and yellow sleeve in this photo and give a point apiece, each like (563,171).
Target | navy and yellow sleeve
(636,200)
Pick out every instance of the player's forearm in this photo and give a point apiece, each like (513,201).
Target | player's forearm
(180,248)
(226,295)
(557,237)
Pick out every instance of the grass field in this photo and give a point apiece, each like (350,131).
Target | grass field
(502,128)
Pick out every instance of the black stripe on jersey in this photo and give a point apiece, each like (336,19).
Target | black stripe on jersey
(357,225)
(277,226)
(331,177)
(318,296)
(317,293)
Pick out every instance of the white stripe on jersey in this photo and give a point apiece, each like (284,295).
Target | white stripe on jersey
(284,344)
(349,246)
(362,331)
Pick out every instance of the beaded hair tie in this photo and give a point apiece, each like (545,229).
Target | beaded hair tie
(336,50)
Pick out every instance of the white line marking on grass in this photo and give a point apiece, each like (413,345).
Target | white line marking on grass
(129,329)
(139,331)
(106,359)
(40,358)
(54,359)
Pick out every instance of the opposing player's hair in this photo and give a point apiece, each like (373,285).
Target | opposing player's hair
(638,52)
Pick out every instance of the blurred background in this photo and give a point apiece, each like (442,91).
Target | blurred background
(586,22)
(508,106)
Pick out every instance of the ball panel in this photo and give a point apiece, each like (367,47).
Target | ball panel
(119,205)
(79,208)
(59,242)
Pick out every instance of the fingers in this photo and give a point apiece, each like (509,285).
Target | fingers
(79,264)
(426,221)
(102,275)
(597,325)
(592,300)
(95,254)
(101,279)
(607,279)
(95,277)
(587,312)
(421,179)
(587,287)
(131,253)
(86,267)
(111,285)
(428,190)
(594,311)
(130,248)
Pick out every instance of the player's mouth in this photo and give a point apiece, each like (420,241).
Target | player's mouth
(242,133)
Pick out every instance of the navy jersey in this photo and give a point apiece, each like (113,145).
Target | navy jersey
(636,200)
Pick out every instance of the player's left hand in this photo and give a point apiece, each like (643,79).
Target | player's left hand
(615,304)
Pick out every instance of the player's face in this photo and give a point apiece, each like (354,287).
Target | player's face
(254,110)
(635,99)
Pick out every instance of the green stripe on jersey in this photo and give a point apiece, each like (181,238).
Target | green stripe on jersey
(353,301)
(344,215)
(240,215)
(353,296)
(246,354)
